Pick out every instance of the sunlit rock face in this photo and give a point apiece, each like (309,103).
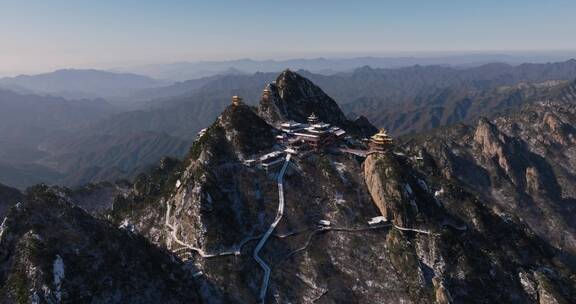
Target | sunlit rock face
(385,184)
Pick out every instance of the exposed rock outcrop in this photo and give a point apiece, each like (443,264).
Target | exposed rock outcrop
(492,143)
(523,163)
(385,184)
(561,133)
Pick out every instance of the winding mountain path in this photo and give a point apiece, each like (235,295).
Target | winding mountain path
(264,238)
(412,229)
(236,250)
(346,229)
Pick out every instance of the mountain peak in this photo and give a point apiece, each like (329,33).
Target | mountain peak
(288,75)
(294,97)
(238,132)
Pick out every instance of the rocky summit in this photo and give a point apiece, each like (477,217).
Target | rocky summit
(293,97)
(292,202)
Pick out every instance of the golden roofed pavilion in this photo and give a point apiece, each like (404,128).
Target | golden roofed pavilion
(381,141)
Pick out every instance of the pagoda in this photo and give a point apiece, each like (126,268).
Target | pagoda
(380,142)
(266,94)
(313,119)
(317,134)
(236,100)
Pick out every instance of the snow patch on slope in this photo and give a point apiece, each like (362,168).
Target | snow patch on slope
(2,227)
(341,169)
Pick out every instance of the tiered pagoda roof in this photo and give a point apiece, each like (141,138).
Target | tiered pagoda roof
(236,100)
(313,119)
(381,140)
(266,94)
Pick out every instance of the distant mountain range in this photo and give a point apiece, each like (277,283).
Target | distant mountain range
(183,109)
(38,142)
(27,117)
(78,84)
(73,142)
(181,71)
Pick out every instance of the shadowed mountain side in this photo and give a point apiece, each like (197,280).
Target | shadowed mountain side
(8,198)
(52,251)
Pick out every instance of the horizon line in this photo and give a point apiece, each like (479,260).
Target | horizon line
(124,66)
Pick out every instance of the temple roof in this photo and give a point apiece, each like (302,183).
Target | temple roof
(381,137)
(236,100)
(312,119)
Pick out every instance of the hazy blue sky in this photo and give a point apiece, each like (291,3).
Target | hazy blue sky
(45,34)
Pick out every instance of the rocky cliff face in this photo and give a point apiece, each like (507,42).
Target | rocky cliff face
(446,242)
(523,164)
(54,252)
(387,187)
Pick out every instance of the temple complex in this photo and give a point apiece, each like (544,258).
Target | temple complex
(317,134)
